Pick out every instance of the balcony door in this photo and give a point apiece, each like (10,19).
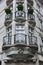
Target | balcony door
(9,34)
(32,38)
(20,33)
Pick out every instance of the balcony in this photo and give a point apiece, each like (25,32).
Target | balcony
(8,19)
(20,53)
(20,40)
(6,42)
(33,43)
(20,16)
(31,19)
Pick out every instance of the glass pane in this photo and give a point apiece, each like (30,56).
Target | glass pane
(20,38)
(20,29)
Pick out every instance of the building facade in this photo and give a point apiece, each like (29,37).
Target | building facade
(21,32)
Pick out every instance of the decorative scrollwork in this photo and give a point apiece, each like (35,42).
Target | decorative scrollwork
(20,51)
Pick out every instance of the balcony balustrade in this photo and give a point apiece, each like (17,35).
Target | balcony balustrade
(8,19)
(31,19)
(6,42)
(20,16)
(20,40)
(33,42)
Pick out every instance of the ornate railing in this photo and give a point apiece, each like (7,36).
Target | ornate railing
(32,40)
(20,38)
(7,40)
(20,14)
(31,17)
(8,17)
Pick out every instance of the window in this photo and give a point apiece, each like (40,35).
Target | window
(20,30)
(9,29)
(9,34)
(30,30)
(31,37)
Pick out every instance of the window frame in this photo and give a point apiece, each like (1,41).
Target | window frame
(20,30)
(8,31)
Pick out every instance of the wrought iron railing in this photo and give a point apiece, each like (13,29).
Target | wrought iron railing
(20,14)
(31,16)
(8,17)
(20,38)
(7,40)
(32,40)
